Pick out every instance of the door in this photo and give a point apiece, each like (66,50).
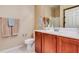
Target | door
(38,42)
(48,43)
(67,45)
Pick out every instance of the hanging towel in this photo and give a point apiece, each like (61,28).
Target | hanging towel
(11,21)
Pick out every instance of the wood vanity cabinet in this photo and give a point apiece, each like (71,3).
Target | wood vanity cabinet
(48,43)
(38,42)
(45,43)
(67,45)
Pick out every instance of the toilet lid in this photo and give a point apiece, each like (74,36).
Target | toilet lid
(29,40)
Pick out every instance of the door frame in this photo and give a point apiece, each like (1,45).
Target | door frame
(64,13)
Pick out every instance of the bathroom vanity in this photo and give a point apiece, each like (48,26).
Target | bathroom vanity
(47,41)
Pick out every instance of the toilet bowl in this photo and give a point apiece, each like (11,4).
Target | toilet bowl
(29,42)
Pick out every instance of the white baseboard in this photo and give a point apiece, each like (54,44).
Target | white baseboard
(10,49)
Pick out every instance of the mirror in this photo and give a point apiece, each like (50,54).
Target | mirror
(66,16)
(71,17)
(49,16)
(54,19)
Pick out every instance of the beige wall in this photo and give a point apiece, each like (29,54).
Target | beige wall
(37,14)
(45,11)
(62,7)
(26,16)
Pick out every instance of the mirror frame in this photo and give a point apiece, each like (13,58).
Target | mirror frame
(64,13)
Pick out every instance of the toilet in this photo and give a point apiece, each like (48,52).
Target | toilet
(29,42)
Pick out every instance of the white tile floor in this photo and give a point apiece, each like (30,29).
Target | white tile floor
(22,50)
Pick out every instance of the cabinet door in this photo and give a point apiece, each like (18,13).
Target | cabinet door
(57,11)
(48,43)
(53,12)
(38,42)
(67,45)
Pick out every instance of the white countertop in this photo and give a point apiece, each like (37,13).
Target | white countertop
(69,34)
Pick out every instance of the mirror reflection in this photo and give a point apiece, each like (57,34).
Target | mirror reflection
(65,16)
